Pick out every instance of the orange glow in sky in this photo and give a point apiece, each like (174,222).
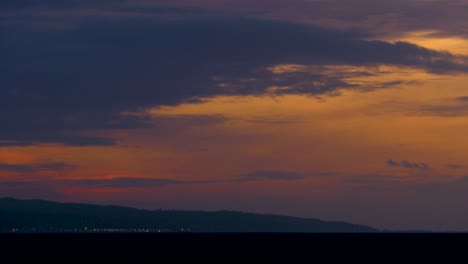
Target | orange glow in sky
(301,112)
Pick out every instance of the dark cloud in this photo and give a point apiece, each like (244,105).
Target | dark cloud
(63,85)
(462,99)
(8,143)
(122,183)
(22,4)
(379,18)
(70,139)
(273,120)
(274,175)
(35,167)
(408,164)
(455,166)
(171,123)
(129,182)
(455,107)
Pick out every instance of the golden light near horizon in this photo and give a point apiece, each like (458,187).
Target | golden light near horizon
(394,117)
(436,40)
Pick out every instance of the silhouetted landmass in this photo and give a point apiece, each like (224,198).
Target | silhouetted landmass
(45,216)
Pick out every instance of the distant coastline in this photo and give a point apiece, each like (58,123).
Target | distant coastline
(40,216)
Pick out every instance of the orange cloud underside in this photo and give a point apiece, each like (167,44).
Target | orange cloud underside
(13,157)
(355,132)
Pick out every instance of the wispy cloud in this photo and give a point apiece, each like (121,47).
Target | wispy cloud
(455,166)
(120,183)
(274,175)
(408,164)
(35,167)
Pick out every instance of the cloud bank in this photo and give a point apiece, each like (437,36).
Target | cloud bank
(65,82)
(408,164)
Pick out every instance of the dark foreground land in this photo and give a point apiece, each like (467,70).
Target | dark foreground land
(38,216)
(47,232)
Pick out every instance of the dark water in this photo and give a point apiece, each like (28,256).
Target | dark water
(139,248)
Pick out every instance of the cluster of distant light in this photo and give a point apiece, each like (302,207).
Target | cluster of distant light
(93,230)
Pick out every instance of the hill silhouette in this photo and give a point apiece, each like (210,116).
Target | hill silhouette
(45,216)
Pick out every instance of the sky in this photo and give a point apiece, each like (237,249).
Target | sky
(343,110)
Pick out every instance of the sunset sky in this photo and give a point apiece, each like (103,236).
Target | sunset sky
(348,110)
